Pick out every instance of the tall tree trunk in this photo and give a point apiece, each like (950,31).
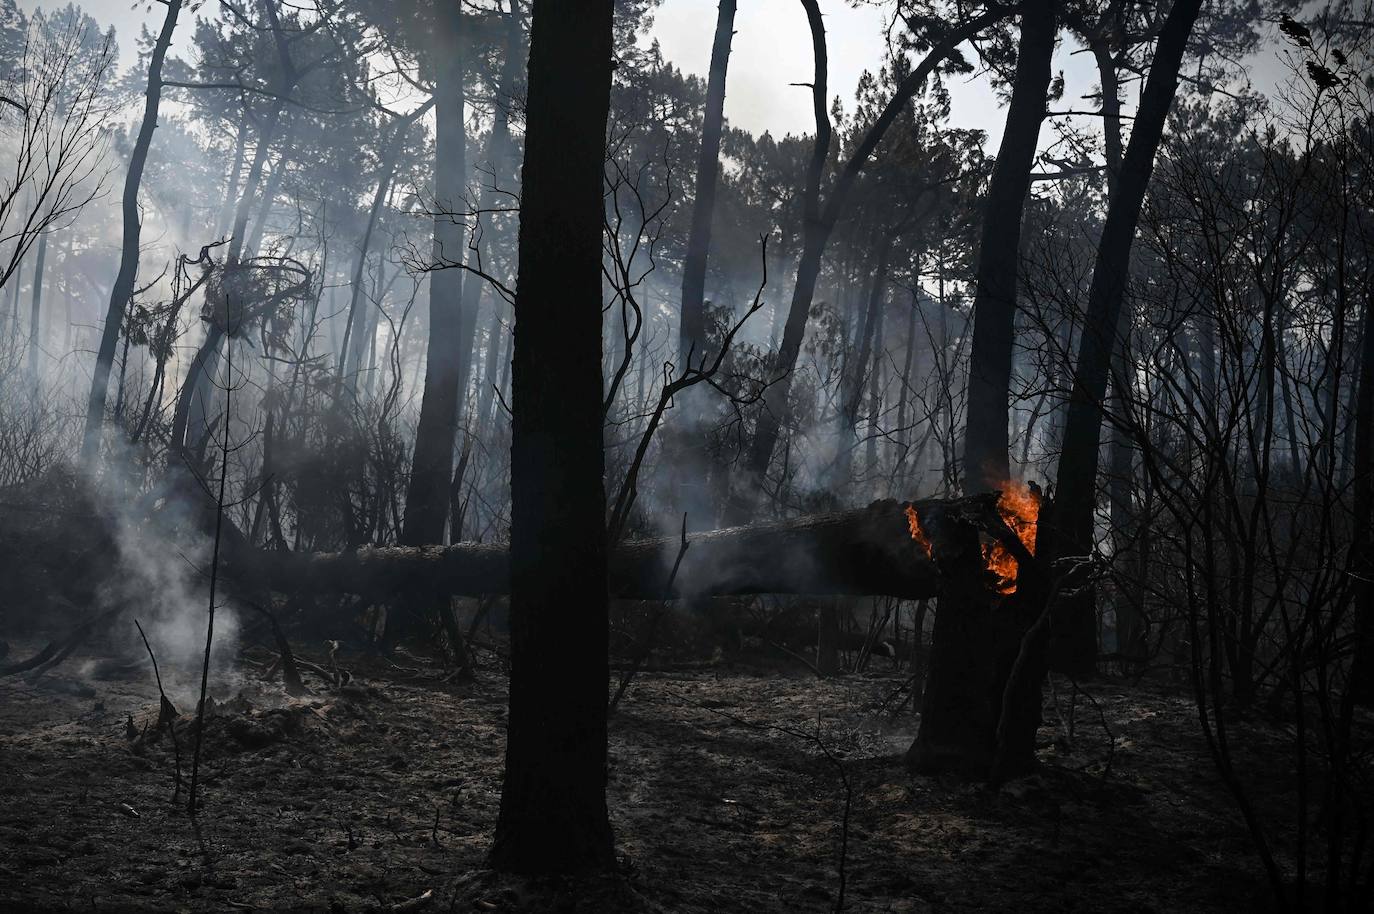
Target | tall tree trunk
(986,443)
(692,326)
(123,289)
(500,155)
(692,464)
(858,366)
(354,342)
(197,390)
(553,802)
(446,359)
(982,703)
(1070,528)
(875,394)
(36,309)
(231,186)
(1362,544)
(269,194)
(18,281)
(1130,624)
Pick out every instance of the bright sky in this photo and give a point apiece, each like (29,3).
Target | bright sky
(772,48)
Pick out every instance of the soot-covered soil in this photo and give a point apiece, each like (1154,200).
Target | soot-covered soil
(727,793)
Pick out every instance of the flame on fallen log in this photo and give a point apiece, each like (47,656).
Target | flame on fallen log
(1020,509)
(913,522)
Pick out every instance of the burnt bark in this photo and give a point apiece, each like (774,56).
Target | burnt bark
(986,441)
(36,308)
(692,329)
(860,552)
(123,289)
(553,815)
(1069,530)
(446,357)
(1362,546)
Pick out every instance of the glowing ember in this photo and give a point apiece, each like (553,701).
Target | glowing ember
(1020,508)
(917,533)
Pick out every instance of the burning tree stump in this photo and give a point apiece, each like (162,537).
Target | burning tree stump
(981,706)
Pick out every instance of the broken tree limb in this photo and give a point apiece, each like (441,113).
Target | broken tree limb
(865,551)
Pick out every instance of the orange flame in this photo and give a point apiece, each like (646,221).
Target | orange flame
(1020,508)
(917,532)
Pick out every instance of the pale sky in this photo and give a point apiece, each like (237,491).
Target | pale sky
(772,48)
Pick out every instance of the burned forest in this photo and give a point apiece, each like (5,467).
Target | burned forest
(906,456)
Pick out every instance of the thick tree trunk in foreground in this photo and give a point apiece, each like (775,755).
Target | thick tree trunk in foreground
(978,635)
(431,466)
(986,440)
(128,259)
(553,815)
(860,552)
(1070,530)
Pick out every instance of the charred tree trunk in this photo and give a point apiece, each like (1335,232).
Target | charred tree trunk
(128,258)
(692,464)
(986,443)
(860,552)
(860,364)
(1070,529)
(692,329)
(446,357)
(36,309)
(500,157)
(354,344)
(553,802)
(1362,547)
(971,722)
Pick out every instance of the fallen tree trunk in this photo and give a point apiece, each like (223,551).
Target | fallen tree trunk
(865,551)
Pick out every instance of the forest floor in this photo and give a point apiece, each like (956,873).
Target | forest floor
(727,793)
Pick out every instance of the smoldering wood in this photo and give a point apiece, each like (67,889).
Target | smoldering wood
(866,551)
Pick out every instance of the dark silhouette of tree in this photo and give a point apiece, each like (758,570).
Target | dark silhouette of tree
(128,259)
(986,443)
(1069,529)
(553,801)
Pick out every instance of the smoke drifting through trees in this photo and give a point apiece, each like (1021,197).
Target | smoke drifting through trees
(505,305)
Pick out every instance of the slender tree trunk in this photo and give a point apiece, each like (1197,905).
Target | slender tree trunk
(354,344)
(269,195)
(446,357)
(1362,544)
(691,467)
(875,394)
(855,372)
(692,327)
(553,802)
(1130,625)
(231,187)
(123,289)
(986,443)
(197,391)
(904,391)
(18,281)
(500,155)
(1070,529)
(36,308)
